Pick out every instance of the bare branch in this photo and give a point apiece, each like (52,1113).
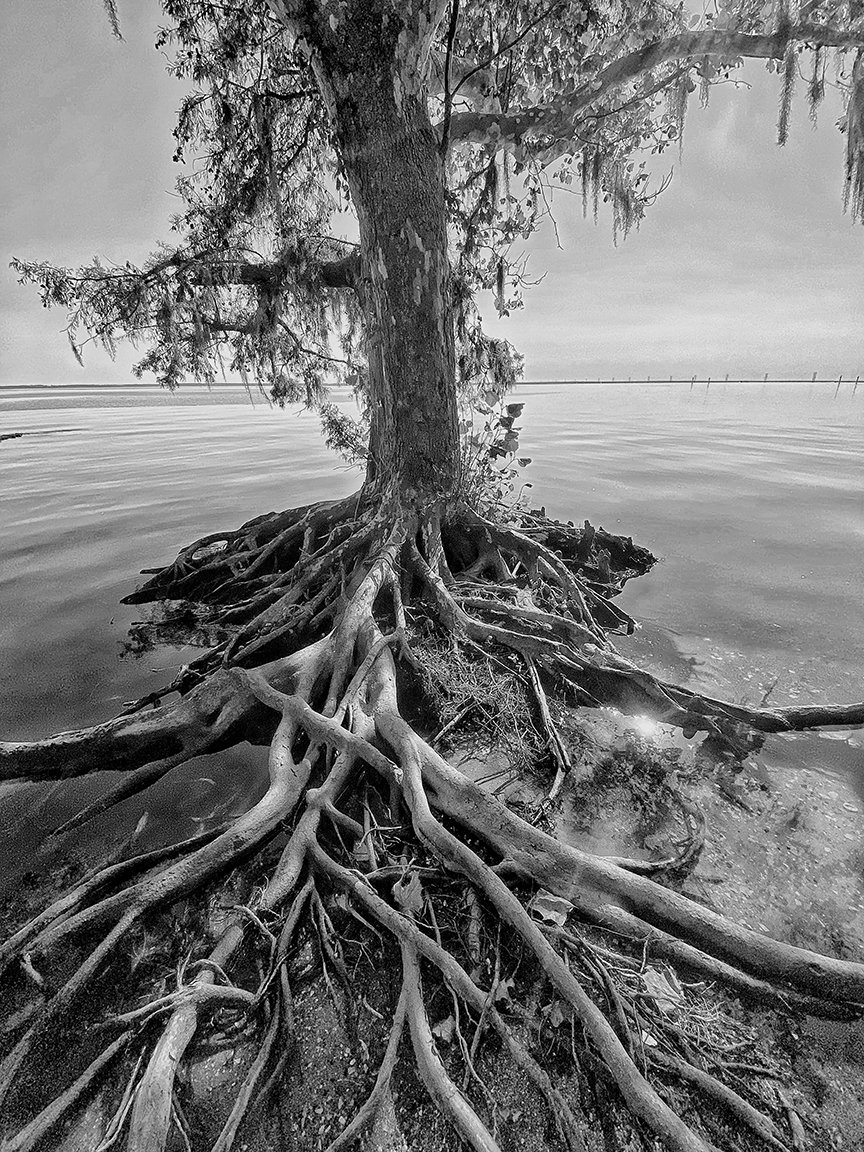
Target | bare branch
(554,119)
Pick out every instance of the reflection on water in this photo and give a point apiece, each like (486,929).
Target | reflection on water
(751,494)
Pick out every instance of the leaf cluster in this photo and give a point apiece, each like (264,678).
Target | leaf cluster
(531,98)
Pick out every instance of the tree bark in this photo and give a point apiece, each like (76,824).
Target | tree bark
(391,158)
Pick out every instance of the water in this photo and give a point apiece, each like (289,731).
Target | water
(752,495)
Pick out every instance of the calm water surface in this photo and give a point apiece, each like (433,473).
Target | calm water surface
(752,495)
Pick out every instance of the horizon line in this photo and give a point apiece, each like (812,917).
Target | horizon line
(726,379)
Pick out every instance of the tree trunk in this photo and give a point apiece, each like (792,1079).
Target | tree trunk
(395,172)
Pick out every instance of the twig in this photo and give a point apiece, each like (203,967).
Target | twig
(490,999)
(432,1072)
(370,1107)
(244,1100)
(553,739)
(796,1128)
(737,1105)
(451,724)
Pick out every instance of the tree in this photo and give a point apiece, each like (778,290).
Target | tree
(439,124)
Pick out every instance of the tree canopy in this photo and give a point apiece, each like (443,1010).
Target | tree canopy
(256,280)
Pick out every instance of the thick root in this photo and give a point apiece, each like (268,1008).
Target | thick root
(213,715)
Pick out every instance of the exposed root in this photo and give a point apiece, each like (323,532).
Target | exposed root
(452,1103)
(737,1105)
(101,880)
(599,890)
(136,782)
(556,745)
(342,589)
(367,1113)
(641,1098)
(213,715)
(114,1127)
(461,983)
(30,1136)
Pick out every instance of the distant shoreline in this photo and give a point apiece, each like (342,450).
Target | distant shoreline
(131,386)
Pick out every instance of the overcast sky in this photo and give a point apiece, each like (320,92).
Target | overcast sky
(746,265)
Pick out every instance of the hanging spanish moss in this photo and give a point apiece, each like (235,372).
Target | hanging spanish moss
(677,97)
(110,7)
(583,169)
(625,204)
(853,199)
(592,179)
(505,177)
(76,351)
(490,190)
(596,179)
(500,282)
(816,87)
(612,178)
(789,66)
(706,71)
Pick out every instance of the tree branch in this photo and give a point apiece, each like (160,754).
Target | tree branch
(550,119)
(340,273)
(448,64)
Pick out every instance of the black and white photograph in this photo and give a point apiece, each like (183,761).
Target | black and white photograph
(432,576)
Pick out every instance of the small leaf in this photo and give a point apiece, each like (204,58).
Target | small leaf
(444,1030)
(524,461)
(666,995)
(502,991)
(409,894)
(552,909)
(560,1013)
